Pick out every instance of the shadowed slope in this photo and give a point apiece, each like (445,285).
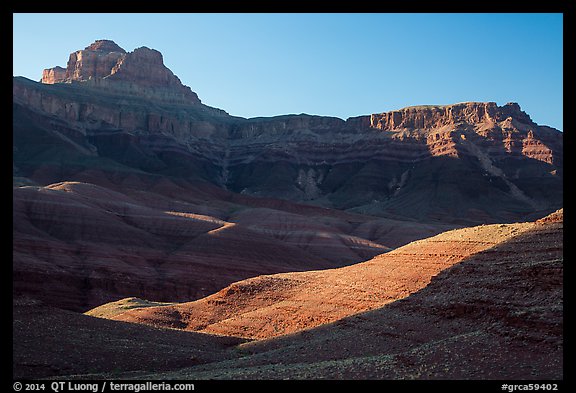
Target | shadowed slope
(269,306)
(52,342)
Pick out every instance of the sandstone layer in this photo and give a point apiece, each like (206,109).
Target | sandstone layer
(499,169)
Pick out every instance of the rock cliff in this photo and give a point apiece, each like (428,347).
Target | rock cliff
(447,162)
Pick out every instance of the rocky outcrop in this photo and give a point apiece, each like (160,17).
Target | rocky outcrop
(429,117)
(95,61)
(409,134)
(105,65)
(104,46)
(53,75)
(506,128)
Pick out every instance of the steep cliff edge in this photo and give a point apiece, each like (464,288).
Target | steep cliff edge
(507,126)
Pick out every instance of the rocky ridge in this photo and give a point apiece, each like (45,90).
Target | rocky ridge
(326,161)
(372,164)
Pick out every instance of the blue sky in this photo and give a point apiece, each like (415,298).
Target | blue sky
(339,65)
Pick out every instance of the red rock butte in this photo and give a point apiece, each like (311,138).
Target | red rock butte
(106,65)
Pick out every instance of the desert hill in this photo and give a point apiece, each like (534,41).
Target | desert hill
(497,314)
(273,305)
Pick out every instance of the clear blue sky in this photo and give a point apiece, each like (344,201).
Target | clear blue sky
(326,64)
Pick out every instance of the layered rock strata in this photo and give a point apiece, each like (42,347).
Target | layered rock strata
(321,159)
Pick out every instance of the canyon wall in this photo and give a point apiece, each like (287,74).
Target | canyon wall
(120,171)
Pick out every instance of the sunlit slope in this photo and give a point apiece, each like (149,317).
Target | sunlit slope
(273,305)
(497,315)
